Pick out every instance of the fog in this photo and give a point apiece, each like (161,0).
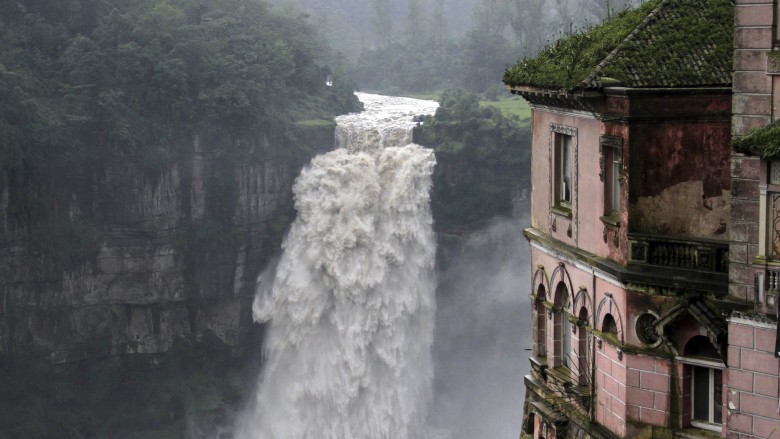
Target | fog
(482,335)
(402,46)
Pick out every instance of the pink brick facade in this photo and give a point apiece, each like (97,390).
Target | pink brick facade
(753,395)
(659,320)
(607,377)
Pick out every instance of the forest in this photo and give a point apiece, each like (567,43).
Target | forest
(86,80)
(102,100)
(415,46)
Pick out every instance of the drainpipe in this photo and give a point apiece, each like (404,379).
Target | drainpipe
(592,407)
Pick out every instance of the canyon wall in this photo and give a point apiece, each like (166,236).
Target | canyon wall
(172,254)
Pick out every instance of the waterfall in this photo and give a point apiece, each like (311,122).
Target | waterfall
(351,301)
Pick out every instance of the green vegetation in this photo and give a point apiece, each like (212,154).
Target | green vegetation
(142,396)
(764,141)
(681,43)
(570,60)
(510,107)
(86,83)
(483,158)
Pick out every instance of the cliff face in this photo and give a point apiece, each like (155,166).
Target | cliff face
(176,256)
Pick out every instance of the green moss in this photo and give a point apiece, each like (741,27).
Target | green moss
(570,60)
(764,142)
(662,43)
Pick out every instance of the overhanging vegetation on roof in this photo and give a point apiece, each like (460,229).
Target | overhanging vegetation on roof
(662,43)
(764,142)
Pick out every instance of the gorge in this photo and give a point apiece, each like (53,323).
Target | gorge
(351,304)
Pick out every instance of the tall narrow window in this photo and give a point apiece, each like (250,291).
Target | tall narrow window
(566,341)
(611,182)
(705,370)
(563,170)
(707,394)
(562,327)
(611,171)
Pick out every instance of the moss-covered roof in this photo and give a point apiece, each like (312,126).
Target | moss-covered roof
(764,142)
(662,43)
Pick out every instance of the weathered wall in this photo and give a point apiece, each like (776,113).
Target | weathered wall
(753,102)
(587,203)
(752,396)
(164,267)
(669,194)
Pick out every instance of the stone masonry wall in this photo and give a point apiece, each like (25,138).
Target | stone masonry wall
(752,108)
(647,389)
(753,411)
(611,391)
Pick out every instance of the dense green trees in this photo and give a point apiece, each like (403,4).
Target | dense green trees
(83,81)
(482,161)
(413,46)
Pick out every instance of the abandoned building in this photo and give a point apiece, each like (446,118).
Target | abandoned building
(655,225)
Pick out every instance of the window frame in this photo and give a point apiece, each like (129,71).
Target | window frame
(611,174)
(710,423)
(769,212)
(562,180)
(563,136)
(712,365)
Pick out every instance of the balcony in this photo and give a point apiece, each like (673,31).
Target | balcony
(656,264)
(681,260)
(704,256)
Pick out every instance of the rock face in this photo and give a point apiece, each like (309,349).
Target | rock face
(172,258)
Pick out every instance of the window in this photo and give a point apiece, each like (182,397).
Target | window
(562,327)
(705,371)
(562,184)
(611,182)
(611,148)
(609,325)
(566,341)
(582,346)
(706,395)
(541,323)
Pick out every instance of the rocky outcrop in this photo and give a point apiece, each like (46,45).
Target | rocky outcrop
(176,255)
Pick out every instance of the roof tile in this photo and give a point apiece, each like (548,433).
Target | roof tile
(662,43)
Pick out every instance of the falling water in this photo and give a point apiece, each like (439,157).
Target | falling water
(351,302)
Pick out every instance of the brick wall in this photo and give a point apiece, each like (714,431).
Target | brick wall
(647,389)
(752,108)
(753,392)
(610,389)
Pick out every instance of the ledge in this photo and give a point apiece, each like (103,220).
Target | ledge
(561,211)
(639,275)
(611,220)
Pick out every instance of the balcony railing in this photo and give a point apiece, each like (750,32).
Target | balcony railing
(697,255)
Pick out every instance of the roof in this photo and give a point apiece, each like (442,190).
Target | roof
(763,141)
(662,43)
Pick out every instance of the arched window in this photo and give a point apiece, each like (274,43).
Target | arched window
(562,326)
(704,367)
(582,348)
(609,325)
(566,353)
(541,323)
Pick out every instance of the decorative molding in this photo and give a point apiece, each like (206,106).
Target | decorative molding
(644,328)
(572,132)
(608,306)
(610,142)
(773,63)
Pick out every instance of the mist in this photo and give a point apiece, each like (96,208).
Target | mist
(483,331)
(416,46)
